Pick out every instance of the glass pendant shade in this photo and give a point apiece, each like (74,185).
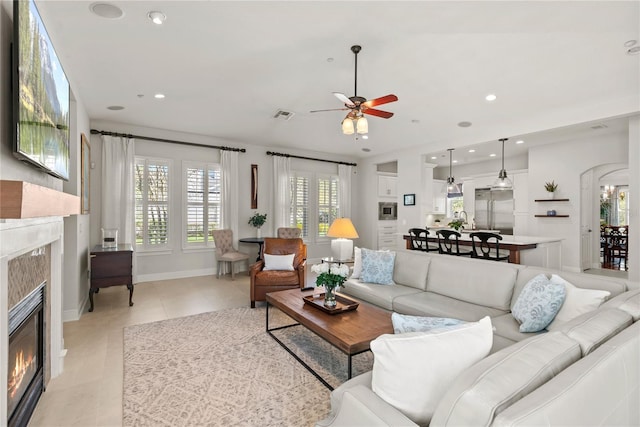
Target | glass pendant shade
(347,126)
(453,189)
(502,182)
(362,126)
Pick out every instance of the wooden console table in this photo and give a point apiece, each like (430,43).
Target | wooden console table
(111,267)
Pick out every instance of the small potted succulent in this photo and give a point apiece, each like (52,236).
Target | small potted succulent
(551,188)
(258,220)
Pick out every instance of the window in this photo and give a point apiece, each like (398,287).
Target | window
(314,204)
(202,188)
(152,203)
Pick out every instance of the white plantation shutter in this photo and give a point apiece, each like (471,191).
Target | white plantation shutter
(328,209)
(300,204)
(152,202)
(202,183)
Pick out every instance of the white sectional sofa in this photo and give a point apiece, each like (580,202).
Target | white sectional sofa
(582,372)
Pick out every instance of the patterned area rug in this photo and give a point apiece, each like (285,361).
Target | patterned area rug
(223,369)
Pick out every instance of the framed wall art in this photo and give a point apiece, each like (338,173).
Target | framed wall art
(85,166)
(409,199)
(254,186)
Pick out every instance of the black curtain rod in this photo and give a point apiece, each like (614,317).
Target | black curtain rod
(193,144)
(272,153)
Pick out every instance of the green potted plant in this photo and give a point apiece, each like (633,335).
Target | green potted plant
(551,188)
(258,220)
(456,224)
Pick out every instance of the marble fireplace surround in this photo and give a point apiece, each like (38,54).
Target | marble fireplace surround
(19,237)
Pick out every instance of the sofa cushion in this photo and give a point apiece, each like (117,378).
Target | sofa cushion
(496,382)
(577,301)
(598,390)
(507,326)
(592,329)
(411,268)
(357,263)
(478,282)
(412,371)
(538,303)
(377,266)
(628,301)
(435,305)
(278,262)
(403,323)
(380,295)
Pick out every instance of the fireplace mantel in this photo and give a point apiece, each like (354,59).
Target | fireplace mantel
(21,200)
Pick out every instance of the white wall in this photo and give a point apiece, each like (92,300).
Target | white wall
(564,162)
(180,263)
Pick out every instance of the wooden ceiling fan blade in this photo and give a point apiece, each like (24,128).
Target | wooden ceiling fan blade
(343,98)
(379,101)
(378,113)
(330,109)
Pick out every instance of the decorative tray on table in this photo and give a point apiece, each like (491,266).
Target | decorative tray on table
(343,304)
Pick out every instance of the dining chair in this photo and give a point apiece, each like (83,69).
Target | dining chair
(289,232)
(618,250)
(225,252)
(486,245)
(418,240)
(448,243)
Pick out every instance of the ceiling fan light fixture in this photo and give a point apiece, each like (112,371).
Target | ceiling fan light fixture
(362,125)
(347,126)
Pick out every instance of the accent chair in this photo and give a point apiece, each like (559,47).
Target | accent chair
(225,252)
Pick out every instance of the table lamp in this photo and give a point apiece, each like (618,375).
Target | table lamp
(342,247)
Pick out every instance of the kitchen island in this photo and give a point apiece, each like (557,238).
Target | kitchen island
(529,250)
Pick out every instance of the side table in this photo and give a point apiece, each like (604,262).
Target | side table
(111,267)
(257,240)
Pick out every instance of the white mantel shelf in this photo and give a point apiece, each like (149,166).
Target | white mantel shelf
(21,200)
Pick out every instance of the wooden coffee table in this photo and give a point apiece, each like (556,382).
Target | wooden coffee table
(351,332)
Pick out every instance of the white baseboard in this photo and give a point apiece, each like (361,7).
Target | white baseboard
(175,275)
(74,314)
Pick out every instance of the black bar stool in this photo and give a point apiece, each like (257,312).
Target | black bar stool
(486,246)
(418,239)
(448,243)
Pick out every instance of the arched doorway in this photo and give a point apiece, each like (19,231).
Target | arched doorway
(605,200)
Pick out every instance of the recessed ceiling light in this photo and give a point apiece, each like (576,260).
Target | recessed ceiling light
(329,59)
(365,136)
(366,150)
(472,151)
(464,124)
(141,95)
(455,161)
(634,50)
(630,43)
(159,95)
(490,97)
(106,10)
(115,107)
(492,155)
(433,157)
(519,141)
(156,17)
(415,121)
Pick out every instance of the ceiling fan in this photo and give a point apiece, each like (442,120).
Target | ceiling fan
(355,122)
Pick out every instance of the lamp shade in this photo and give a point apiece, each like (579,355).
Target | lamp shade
(347,126)
(362,126)
(342,228)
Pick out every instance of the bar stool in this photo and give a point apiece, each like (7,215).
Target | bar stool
(448,243)
(486,245)
(418,240)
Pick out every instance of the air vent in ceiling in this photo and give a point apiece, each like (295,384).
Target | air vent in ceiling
(283,115)
(600,126)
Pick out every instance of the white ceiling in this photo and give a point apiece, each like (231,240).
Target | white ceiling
(226,67)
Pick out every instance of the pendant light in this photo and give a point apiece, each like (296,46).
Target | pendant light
(453,190)
(503,182)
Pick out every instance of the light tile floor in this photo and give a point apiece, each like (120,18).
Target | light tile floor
(89,391)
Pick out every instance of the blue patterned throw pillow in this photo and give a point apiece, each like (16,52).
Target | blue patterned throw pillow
(377,266)
(538,303)
(405,323)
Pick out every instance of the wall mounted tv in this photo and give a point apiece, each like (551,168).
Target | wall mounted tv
(40,95)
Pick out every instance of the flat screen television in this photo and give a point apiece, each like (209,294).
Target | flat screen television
(40,95)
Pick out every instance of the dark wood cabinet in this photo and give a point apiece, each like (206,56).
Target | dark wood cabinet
(111,267)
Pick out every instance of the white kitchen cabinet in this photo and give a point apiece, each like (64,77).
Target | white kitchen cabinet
(388,235)
(387,186)
(439,197)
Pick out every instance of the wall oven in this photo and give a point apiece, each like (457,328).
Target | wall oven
(387,211)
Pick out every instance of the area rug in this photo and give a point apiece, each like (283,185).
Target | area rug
(223,369)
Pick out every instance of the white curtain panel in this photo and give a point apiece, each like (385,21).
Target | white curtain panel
(281,192)
(118,182)
(345,172)
(229,196)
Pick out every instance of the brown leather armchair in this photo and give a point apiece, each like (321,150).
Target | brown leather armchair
(265,281)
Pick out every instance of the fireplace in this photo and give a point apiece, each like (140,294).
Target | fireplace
(25,379)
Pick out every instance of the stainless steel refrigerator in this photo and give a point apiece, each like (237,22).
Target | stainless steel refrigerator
(494,210)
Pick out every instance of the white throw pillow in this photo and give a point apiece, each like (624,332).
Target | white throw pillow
(357,263)
(278,262)
(412,371)
(577,301)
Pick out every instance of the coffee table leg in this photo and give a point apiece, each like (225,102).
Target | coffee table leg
(349,369)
